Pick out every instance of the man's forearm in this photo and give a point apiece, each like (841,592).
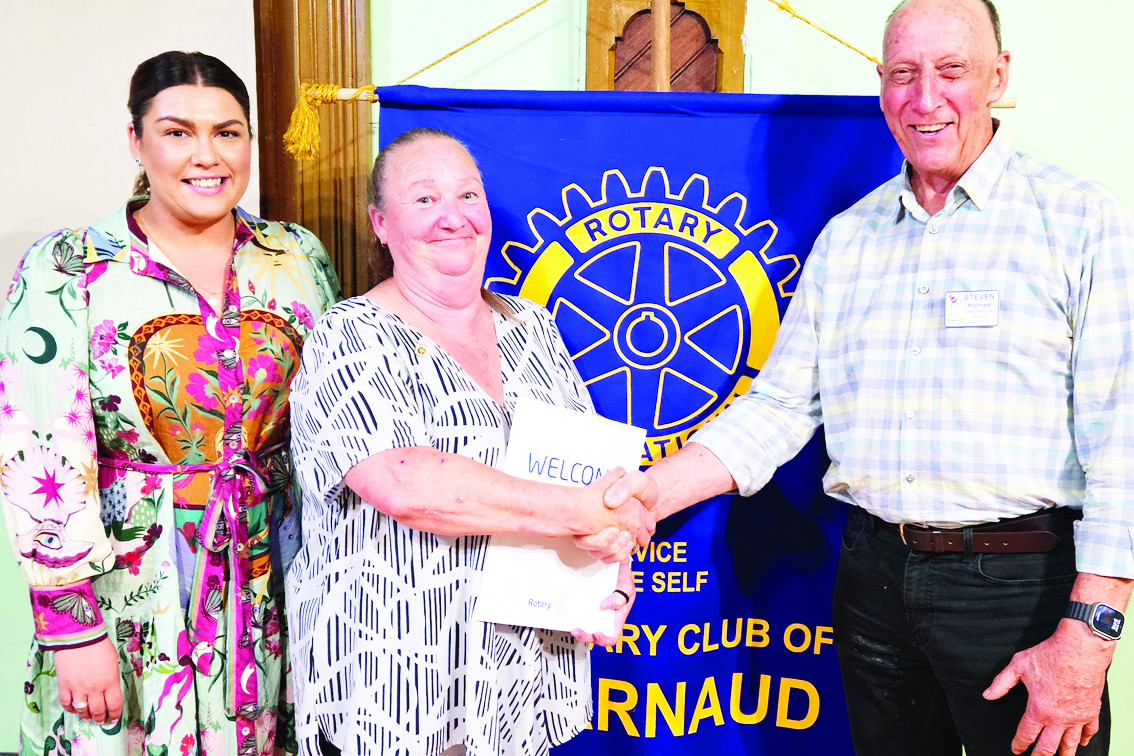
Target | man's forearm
(1093,589)
(691,475)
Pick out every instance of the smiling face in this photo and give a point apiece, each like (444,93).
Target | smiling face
(196,148)
(940,72)
(434,218)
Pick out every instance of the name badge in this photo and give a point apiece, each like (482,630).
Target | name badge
(972,309)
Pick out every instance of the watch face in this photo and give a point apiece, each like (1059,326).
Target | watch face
(1107,621)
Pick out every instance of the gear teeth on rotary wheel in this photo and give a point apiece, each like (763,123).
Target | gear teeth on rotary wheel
(668,304)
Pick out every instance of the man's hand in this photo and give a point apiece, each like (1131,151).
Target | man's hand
(88,680)
(635,521)
(1064,676)
(690,475)
(633,485)
(633,524)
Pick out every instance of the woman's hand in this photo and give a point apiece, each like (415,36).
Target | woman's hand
(88,680)
(621,601)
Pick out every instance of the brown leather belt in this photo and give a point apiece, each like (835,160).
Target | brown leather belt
(1028,534)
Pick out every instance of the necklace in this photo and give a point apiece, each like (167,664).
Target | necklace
(212,295)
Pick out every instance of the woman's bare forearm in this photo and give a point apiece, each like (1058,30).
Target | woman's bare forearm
(453,495)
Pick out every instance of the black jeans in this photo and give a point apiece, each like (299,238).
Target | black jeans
(920,636)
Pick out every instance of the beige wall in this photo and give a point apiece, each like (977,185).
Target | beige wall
(1070,61)
(541,50)
(1070,64)
(66,69)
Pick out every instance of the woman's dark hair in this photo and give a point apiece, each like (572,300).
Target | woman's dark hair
(175,69)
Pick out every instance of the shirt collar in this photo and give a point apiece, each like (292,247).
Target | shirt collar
(976,184)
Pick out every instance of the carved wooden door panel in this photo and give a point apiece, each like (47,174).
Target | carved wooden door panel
(692,53)
(706,54)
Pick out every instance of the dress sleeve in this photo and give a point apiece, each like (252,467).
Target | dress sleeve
(352,399)
(48,472)
(322,271)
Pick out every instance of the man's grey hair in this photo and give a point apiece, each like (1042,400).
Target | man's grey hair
(993,16)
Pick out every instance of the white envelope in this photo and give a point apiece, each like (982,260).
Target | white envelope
(549,582)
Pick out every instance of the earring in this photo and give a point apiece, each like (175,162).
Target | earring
(138,161)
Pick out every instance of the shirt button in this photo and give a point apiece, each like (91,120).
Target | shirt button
(228,354)
(933,228)
(923,290)
(910,414)
(234,399)
(910,478)
(915,351)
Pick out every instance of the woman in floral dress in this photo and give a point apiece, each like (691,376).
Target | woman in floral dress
(144,370)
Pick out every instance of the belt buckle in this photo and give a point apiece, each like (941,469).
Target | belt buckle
(902,533)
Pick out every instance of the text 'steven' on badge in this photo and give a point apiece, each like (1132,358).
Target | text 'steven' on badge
(972,309)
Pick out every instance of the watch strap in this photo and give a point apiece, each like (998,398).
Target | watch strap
(1080,611)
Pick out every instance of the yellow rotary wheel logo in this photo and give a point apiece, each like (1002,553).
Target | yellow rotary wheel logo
(668,304)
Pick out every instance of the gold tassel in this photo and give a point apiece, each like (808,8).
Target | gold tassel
(301,139)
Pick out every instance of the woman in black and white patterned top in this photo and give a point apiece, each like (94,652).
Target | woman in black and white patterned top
(399,415)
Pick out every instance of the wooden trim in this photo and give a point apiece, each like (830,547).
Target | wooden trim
(276,92)
(660,56)
(607,18)
(326,42)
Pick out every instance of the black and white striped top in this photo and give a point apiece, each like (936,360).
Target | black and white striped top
(385,654)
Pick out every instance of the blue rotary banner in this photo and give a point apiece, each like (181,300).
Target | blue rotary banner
(666,233)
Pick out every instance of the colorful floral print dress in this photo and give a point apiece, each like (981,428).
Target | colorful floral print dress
(145,474)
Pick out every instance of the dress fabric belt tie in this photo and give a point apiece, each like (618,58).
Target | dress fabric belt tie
(238,481)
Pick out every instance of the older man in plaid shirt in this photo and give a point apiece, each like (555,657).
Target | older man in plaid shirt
(964,335)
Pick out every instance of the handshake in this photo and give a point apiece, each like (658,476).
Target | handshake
(629,501)
(632,502)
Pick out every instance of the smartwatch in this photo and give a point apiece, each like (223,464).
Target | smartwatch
(1104,621)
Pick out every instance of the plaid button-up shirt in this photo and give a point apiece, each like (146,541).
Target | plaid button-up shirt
(1027,404)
